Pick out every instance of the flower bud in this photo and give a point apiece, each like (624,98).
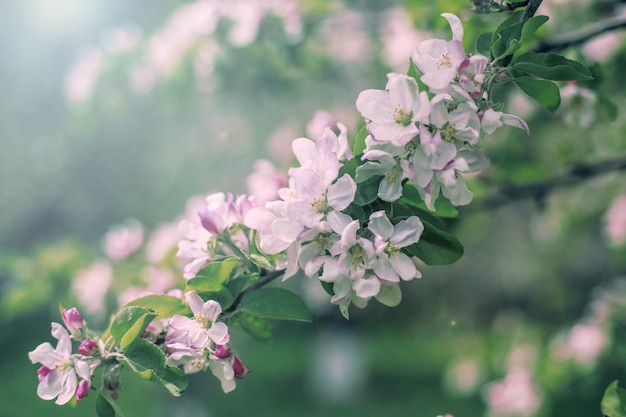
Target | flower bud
(87,347)
(222,351)
(73,321)
(42,372)
(239,368)
(82,389)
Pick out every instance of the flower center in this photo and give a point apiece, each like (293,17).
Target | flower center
(403,118)
(391,250)
(448,133)
(64,365)
(323,241)
(202,319)
(392,176)
(358,255)
(444,62)
(320,205)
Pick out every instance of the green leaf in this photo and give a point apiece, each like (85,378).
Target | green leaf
(613,401)
(545,92)
(257,327)
(129,323)
(552,67)
(148,361)
(509,39)
(328,287)
(210,289)
(411,197)
(367,192)
(165,305)
(106,406)
(276,304)
(359,142)
(483,43)
(436,247)
(219,271)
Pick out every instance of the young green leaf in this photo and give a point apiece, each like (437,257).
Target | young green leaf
(436,247)
(552,67)
(545,92)
(129,323)
(276,304)
(148,361)
(511,38)
(359,142)
(219,271)
(614,401)
(165,305)
(210,289)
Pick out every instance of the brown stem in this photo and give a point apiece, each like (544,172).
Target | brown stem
(266,278)
(578,37)
(538,190)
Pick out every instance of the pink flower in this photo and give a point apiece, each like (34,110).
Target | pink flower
(394,112)
(438,60)
(121,241)
(73,321)
(615,221)
(515,395)
(392,263)
(58,377)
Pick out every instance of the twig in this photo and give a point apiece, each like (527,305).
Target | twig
(530,10)
(560,42)
(266,278)
(538,190)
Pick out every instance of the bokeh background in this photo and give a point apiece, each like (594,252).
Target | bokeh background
(118,113)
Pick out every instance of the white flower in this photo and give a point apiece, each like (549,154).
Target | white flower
(58,377)
(393,264)
(395,111)
(439,60)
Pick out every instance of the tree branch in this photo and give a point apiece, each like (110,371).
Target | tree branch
(538,190)
(578,37)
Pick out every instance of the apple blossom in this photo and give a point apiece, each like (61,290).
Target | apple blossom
(393,264)
(394,112)
(60,373)
(439,60)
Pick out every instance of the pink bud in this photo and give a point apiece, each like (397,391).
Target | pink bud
(87,347)
(222,351)
(82,390)
(239,368)
(73,321)
(43,372)
(207,219)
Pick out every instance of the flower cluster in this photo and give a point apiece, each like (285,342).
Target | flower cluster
(201,342)
(424,138)
(64,375)
(220,217)
(430,138)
